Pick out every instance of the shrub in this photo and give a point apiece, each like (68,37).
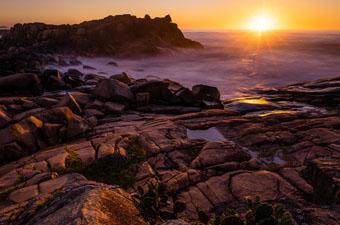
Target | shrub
(151,202)
(114,169)
(257,214)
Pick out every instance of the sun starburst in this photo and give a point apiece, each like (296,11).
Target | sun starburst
(261,23)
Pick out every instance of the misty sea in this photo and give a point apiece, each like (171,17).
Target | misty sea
(236,61)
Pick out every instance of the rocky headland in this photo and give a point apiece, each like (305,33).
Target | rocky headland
(86,149)
(114,35)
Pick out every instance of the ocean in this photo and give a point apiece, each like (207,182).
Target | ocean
(236,61)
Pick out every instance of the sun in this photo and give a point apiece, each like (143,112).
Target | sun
(261,23)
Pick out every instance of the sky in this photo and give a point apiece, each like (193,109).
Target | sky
(188,14)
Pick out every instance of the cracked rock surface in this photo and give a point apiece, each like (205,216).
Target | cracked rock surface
(283,156)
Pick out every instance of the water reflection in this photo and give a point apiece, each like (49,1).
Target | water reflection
(211,134)
(277,112)
(254,101)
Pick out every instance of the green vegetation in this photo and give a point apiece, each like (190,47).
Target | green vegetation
(135,151)
(45,199)
(257,214)
(73,163)
(115,169)
(151,202)
(20,178)
(272,168)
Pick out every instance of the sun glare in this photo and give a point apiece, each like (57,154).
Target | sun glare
(261,23)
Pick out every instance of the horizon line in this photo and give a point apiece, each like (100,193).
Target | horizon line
(7,27)
(248,30)
(4,27)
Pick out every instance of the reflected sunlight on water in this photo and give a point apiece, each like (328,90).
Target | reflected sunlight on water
(258,101)
(277,112)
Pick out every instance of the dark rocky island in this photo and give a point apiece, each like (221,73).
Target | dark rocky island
(113,35)
(86,149)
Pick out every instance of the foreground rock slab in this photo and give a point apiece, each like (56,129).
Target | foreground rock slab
(74,201)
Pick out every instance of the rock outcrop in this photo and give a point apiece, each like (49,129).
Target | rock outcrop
(20,84)
(39,130)
(71,199)
(320,93)
(113,35)
(63,154)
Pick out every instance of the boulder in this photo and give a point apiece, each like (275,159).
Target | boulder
(26,133)
(96,104)
(52,80)
(122,78)
(92,76)
(115,90)
(69,101)
(114,108)
(72,78)
(4,118)
(142,99)
(50,132)
(22,83)
(187,97)
(74,73)
(28,104)
(207,93)
(75,125)
(208,96)
(27,113)
(46,102)
(173,85)
(81,98)
(94,112)
(158,91)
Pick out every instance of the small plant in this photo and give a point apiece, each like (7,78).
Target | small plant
(136,152)
(111,170)
(114,169)
(151,202)
(73,163)
(264,214)
(257,214)
(20,178)
(272,168)
(45,199)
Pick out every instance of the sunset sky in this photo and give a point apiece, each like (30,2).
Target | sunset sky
(189,14)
